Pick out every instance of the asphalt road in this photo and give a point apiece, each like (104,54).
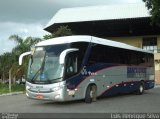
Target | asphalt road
(130,103)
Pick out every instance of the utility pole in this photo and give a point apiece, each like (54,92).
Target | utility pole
(10,80)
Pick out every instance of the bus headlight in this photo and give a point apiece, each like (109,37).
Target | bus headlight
(27,87)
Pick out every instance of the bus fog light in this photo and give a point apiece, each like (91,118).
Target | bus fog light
(57,96)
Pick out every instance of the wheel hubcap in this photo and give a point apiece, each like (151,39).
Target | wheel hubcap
(91,94)
(141,88)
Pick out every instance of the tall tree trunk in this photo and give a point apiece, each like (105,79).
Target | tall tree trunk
(3,77)
(14,80)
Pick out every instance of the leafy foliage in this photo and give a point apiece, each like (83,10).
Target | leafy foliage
(154,7)
(61,31)
(15,88)
(9,61)
(6,61)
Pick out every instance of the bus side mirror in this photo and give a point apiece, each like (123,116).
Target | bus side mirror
(21,57)
(64,53)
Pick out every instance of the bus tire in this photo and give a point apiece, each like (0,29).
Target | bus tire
(140,90)
(91,94)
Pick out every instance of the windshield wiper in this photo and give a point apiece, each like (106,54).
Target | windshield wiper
(31,60)
(40,69)
(54,80)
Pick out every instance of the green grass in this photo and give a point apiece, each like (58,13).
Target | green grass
(4,88)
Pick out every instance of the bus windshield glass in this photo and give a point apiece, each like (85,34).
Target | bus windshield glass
(44,64)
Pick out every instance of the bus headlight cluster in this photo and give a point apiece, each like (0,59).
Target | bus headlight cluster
(27,87)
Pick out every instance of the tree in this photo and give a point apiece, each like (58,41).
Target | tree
(9,60)
(6,61)
(23,45)
(61,31)
(154,7)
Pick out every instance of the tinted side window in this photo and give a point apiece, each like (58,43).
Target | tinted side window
(114,55)
(82,46)
(148,59)
(106,54)
(71,67)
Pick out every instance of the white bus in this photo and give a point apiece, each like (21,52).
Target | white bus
(85,67)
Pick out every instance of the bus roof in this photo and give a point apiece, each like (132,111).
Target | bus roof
(85,38)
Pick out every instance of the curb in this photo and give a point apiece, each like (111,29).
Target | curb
(14,93)
(157,86)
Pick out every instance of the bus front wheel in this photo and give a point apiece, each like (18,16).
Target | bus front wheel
(91,94)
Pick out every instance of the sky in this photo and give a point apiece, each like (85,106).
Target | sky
(29,17)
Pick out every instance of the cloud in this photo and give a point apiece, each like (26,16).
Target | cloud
(28,10)
(28,17)
(22,29)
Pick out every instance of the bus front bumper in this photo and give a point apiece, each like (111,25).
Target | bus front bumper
(51,96)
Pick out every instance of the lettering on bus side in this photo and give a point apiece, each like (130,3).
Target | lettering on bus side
(136,72)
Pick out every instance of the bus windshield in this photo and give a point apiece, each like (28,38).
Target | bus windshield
(44,64)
